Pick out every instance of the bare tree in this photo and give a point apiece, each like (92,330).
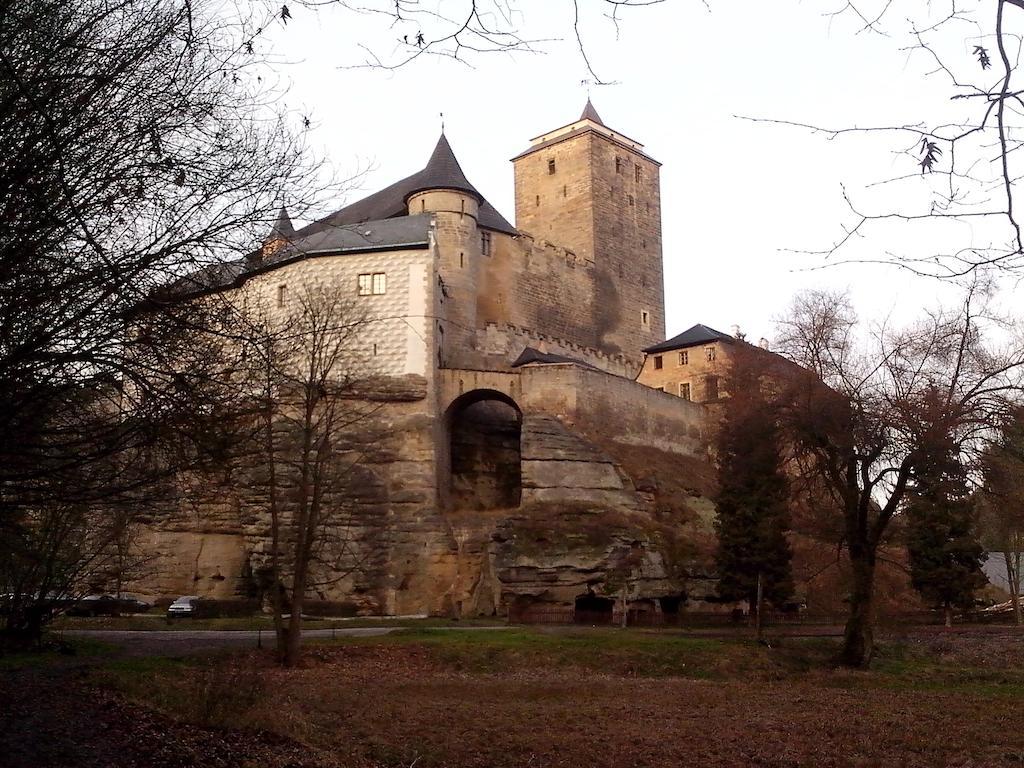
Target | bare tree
(464,31)
(959,164)
(305,380)
(873,407)
(136,144)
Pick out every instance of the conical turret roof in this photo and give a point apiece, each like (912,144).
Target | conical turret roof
(589,113)
(442,172)
(283,229)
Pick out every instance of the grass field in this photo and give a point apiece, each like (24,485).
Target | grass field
(605,697)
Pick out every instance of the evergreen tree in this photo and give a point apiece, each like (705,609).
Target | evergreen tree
(945,555)
(753,491)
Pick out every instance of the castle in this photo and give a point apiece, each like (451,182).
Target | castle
(538,451)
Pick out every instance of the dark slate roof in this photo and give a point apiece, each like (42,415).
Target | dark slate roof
(387,234)
(283,227)
(441,172)
(377,222)
(698,334)
(589,113)
(535,356)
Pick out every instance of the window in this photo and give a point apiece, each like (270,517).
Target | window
(565,190)
(637,172)
(462,260)
(485,243)
(709,354)
(618,165)
(684,391)
(658,362)
(551,167)
(684,358)
(537,201)
(282,295)
(711,388)
(373,284)
(631,200)
(645,318)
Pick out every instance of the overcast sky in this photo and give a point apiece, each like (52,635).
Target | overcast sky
(739,199)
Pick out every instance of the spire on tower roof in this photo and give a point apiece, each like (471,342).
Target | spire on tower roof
(442,172)
(282,228)
(589,113)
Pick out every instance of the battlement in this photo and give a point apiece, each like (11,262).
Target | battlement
(572,259)
(509,341)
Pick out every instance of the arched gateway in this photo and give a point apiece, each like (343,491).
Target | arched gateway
(483,429)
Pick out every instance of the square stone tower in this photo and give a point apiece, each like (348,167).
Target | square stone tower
(594,191)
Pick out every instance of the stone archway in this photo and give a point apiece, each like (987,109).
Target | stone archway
(484,429)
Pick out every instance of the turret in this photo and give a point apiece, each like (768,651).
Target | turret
(443,190)
(279,236)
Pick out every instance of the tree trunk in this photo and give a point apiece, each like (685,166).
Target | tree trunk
(293,640)
(859,637)
(1013,579)
(276,601)
(758,607)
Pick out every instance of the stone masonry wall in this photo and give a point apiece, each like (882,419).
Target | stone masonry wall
(627,236)
(618,408)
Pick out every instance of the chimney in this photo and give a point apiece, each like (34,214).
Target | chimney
(738,333)
(763,343)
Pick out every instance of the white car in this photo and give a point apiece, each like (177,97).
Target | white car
(183,607)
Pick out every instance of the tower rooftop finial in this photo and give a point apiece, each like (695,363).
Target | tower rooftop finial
(589,113)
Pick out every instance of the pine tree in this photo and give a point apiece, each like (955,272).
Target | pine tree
(945,555)
(753,496)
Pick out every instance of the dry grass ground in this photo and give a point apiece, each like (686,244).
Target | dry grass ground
(610,698)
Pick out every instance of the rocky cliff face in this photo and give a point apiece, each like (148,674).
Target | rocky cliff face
(595,518)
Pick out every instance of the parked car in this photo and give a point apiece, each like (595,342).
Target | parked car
(107,605)
(132,604)
(184,607)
